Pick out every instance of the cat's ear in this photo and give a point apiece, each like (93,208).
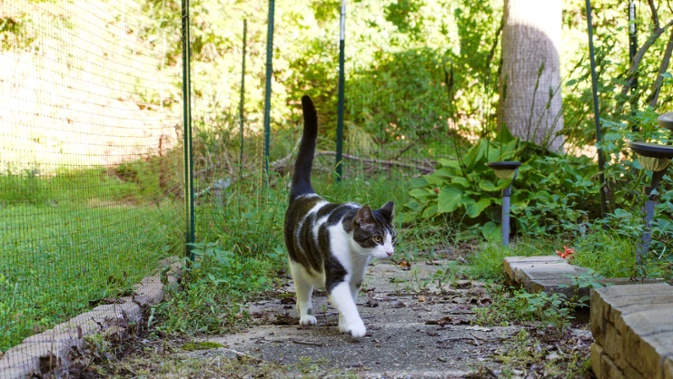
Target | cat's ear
(364,215)
(387,211)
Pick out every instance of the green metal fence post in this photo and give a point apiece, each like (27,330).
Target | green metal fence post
(187,120)
(241,110)
(342,80)
(597,114)
(633,49)
(267,95)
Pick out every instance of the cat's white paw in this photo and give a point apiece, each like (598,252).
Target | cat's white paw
(356,329)
(307,320)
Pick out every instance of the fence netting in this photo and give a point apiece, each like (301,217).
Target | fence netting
(91,163)
(91,124)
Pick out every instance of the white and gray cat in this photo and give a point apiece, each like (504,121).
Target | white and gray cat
(330,245)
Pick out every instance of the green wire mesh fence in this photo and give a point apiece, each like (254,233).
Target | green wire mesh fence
(92,158)
(91,165)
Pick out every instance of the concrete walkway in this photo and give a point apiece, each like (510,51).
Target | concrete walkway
(414,329)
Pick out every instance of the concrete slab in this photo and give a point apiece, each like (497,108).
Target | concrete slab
(413,331)
(553,274)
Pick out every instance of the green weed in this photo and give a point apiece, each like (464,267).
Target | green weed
(487,261)
(215,286)
(518,305)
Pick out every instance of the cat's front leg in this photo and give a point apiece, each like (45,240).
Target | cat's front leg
(349,318)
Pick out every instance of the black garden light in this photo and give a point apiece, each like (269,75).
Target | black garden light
(505,170)
(656,158)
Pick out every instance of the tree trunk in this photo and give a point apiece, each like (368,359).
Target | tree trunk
(530,80)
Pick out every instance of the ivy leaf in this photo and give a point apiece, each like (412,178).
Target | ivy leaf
(449,199)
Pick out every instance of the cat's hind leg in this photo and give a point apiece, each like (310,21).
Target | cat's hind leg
(304,292)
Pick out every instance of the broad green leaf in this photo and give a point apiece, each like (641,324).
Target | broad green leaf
(445,173)
(430,211)
(418,182)
(475,155)
(475,209)
(462,181)
(421,194)
(449,163)
(542,195)
(449,199)
(488,186)
(491,231)
(434,179)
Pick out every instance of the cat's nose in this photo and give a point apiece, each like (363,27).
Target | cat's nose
(390,253)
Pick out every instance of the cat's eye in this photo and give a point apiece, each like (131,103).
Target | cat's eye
(378,239)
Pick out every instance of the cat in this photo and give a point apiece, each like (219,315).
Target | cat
(330,245)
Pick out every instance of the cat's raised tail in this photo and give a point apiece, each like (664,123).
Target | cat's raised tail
(301,180)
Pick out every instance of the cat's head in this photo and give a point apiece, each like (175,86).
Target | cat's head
(373,231)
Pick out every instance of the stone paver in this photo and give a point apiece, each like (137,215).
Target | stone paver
(632,324)
(550,274)
(553,274)
(632,327)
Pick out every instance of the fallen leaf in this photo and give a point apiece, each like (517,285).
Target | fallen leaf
(371,301)
(399,304)
(404,265)
(448,320)
(287,300)
(551,356)
(463,284)
(286,319)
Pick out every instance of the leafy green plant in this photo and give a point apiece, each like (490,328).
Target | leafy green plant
(607,252)
(465,187)
(214,287)
(521,306)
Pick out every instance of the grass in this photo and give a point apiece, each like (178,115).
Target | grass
(76,238)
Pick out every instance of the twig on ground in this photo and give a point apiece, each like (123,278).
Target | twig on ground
(245,356)
(308,343)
